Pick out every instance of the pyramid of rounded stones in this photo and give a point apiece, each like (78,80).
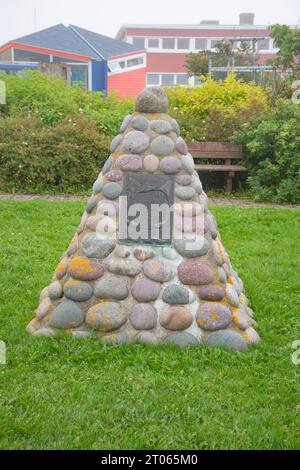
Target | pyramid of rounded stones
(132,291)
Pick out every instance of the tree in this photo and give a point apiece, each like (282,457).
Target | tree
(288,42)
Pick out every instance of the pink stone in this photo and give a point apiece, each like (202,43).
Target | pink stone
(213,316)
(130,163)
(212,293)
(170,165)
(114,176)
(194,273)
(144,290)
(181,146)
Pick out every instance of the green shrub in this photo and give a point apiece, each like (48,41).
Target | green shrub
(65,157)
(50,99)
(271,151)
(215,110)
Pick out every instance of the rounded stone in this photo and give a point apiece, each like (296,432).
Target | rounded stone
(66,315)
(145,290)
(122,251)
(85,269)
(130,163)
(143,254)
(184,180)
(78,290)
(212,225)
(127,267)
(140,123)
(204,202)
(185,192)
(181,146)
(152,100)
(218,252)
(251,336)
(194,273)
(175,126)
(232,295)
(106,316)
(114,176)
(98,185)
(189,225)
(55,290)
(61,268)
(212,293)
(221,275)
(114,337)
(135,142)
(169,253)
(176,294)
(115,143)
(188,163)
(81,226)
(170,165)
(158,270)
(146,337)
(176,318)
(226,339)
(181,339)
(72,248)
(45,332)
(125,123)
(107,165)
(44,308)
(151,163)
(111,288)
(160,126)
(196,183)
(93,246)
(92,222)
(188,209)
(240,317)
(197,246)
(213,316)
(92,203)
(143,317)
(112,190)
(107,208)
(162,145)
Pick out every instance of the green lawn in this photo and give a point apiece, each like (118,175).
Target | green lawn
(66,393)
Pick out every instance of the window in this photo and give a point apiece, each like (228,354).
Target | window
(168,43)
(152,78)
(183,43)
(153,42)
(114,66)
(28,56)
(134,62)
(263,44)
(167,79)
(214,42)
(201,44)
(139,42)
(182,79)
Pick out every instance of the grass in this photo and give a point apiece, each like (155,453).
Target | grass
(66,393)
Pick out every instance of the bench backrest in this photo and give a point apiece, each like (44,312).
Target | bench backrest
(215,150)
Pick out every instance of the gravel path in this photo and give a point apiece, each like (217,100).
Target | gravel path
(214,201)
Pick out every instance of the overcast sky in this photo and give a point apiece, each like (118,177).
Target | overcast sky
(106,16)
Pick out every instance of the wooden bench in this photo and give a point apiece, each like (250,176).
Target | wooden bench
(229,153)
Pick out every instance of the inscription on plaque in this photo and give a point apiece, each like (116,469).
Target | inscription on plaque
(145,208)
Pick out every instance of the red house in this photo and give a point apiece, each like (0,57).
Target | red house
(100,62)
(168,45)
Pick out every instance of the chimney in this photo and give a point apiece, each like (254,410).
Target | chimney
(210,22)
(246,18)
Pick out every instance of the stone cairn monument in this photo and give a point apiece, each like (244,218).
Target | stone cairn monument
(147,263)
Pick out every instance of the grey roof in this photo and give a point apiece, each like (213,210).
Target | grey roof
(75,40)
